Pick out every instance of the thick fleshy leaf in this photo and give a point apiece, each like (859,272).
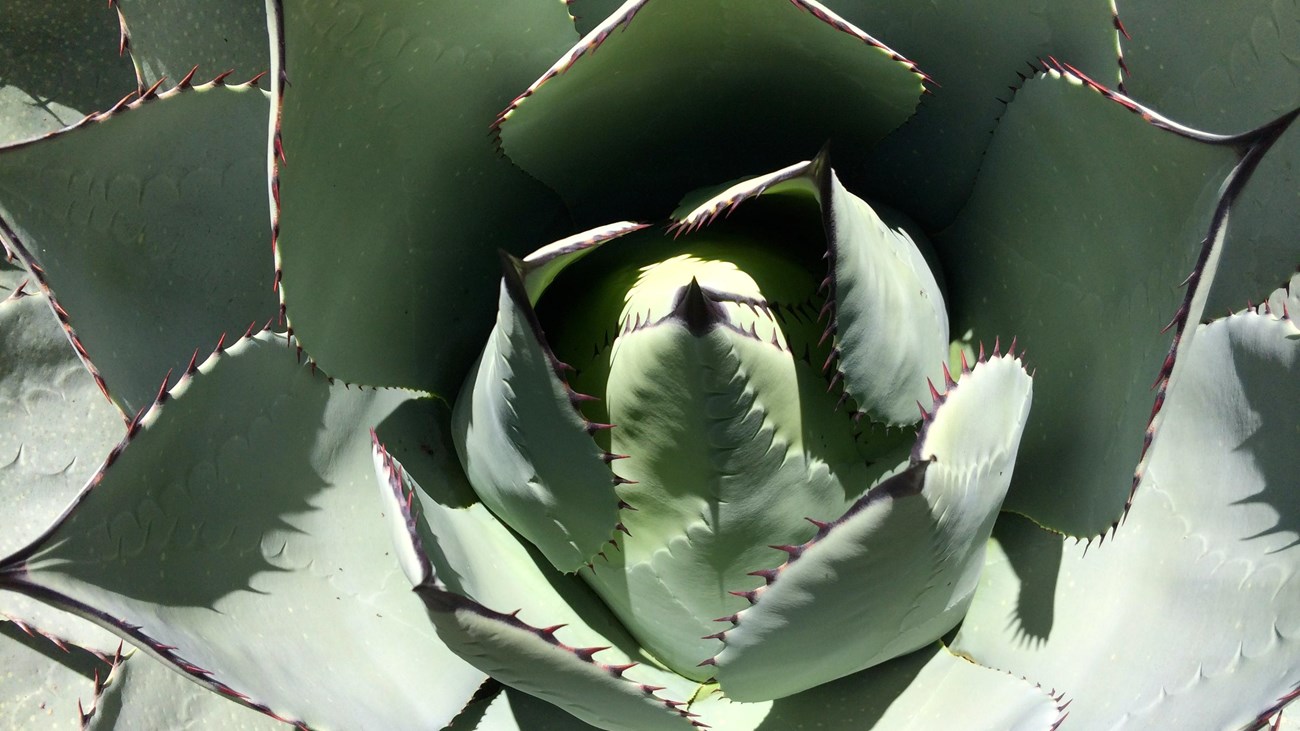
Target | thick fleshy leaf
(45,682)
(666,96)
(732,441)
(503,608)
(57,427)
(889,321)
(1189,616)
(541,267)
(148,223)
(900,567)
(974,50)
(236,537)
(526,447)
(884,306)
(167,38)
(1229,67)
(1088,213)
(142,693)
(58,63)
(928,689)
(393,202)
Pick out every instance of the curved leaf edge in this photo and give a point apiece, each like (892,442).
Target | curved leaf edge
(14,247)
(399,496)
(817,179)
(100,681)
(515,274)
(621,18)
(908,481)
(125,47)
(13,571)
(1250,147)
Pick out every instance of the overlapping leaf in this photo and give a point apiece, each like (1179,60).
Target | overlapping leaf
(231,494)
(1186,617)
(1228,68)
(150,227)
(392,198)
(1085,218)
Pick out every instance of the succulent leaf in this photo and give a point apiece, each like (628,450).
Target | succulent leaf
(232,491)
(1085,197)
(900,567)
(1246,63)
(58,425)
(889,320)
(532,660)
(58,63)
(45,679)
(1208,551)
(168,39)
(754,77)
(732,441)
(525,446)
(496,603)
(376,211)
(884,307)
(154,245)
(141,692)
(974,50)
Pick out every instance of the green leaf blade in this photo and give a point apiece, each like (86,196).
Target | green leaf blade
(232,494)
(1082,200)
(1234,72)
(1208,551)
(152,244)
(975,50)
(431,210)
(711,58)
(899,568)
(59,62)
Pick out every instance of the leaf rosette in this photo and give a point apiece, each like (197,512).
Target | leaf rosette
(681,479)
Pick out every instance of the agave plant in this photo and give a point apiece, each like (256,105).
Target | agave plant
(584,392)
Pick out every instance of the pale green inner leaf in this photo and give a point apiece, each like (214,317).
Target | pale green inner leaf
(898,570)
(891,327)
(525,446)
